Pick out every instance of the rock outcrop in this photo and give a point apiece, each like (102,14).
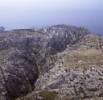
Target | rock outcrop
(78,72)
(49,59)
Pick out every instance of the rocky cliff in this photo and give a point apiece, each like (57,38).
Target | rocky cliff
(51,63)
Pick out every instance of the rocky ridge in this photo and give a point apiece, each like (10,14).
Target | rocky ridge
(57,60)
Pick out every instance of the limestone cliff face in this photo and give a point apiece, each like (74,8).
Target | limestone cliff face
(36,58)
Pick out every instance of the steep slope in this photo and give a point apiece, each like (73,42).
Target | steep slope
(78,72)
(76,75)
(26,54)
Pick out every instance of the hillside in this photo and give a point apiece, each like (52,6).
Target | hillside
(57,62)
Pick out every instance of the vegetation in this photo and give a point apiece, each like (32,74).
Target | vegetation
(83,57)
(45,95)
(48,95)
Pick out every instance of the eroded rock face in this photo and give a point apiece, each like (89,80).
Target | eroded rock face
(24,54)
(74,81)
(19,71)
(19,67)
(78,72)
(63,35)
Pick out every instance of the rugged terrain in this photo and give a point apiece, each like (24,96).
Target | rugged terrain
(57,62)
